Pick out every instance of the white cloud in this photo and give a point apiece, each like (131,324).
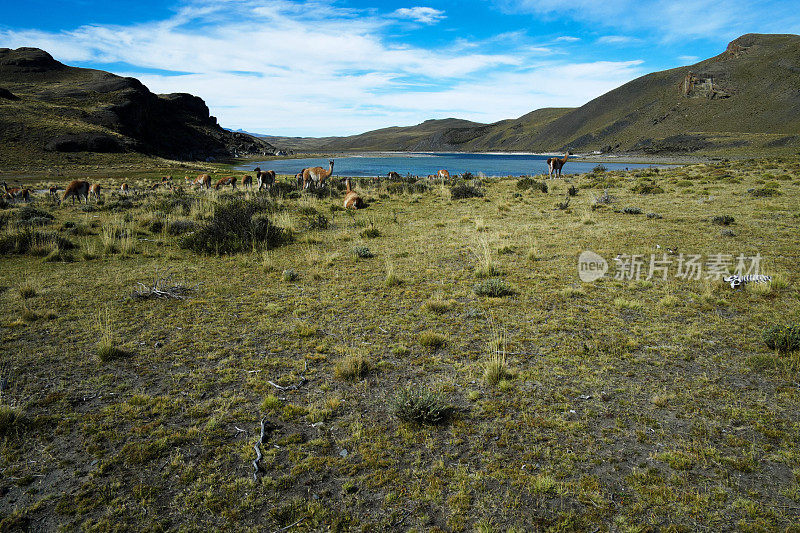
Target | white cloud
(294,68)
(424,15)
(568,39)
(616,39)
(689,59)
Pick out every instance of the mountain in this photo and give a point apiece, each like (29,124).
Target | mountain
(46,106)
(746,98)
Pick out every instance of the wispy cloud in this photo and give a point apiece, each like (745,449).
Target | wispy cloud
(669,19)
(312,68)
(616,39)
(424,15)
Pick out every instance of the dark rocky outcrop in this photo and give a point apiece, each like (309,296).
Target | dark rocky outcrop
(77,102)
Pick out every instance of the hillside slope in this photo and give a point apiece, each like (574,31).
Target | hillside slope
(46,106)
(746,96)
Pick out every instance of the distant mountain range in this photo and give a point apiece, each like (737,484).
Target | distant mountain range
(746,98)
(46,106)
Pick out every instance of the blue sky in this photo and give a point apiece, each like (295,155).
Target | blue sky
(322,67)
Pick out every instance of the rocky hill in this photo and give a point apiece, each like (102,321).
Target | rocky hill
(46,106)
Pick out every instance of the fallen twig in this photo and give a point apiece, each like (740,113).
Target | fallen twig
(258,449)
(302,382)
(286,528)
(163,287)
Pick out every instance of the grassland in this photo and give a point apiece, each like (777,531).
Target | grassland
(394,396)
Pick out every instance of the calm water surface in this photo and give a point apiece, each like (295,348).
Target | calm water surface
(422,164)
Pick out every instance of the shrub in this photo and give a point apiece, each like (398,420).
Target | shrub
(290,275)
(181,226)
(35,242)
(604,199)
(647,187)
(371,233)
(438,307)
(572,191)
(563,205)
(530,183)
(599,169)
(655,216)
(420,405)
(313,219)
(493,287)
(120,204)
(783,339)
(234,228)
(462,191)
(763,192)
(9,419)
(722,220)
(362,252)
(353,367)
(28,212)
(431,340)
(632,211)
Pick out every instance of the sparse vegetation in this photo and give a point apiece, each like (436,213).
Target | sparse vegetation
(580,374)
(419,405)
(783,339)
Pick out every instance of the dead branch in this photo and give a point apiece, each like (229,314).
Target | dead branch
(286,528)
(163,287)
(302,382)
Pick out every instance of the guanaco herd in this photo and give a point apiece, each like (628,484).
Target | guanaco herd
(308,178)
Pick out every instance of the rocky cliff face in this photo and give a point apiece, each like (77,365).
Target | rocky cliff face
(55,107)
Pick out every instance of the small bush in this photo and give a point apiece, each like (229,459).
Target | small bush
(599,169)
(431,340)
(362,252)
(420,405)
(654,216)
(783,339)
(572,191)
(353,367)
(28,213)
(290,275)
(236,227)
(763,192)
(9,419)
(181,226)
(604,199)
(647,187)
(313,219)
(525,184)
(493,287)
(722,220)
(370,233)
(563,205)
(462,191)
(34,242)
(632,211)
(109,352)
(27,291)
(438,307)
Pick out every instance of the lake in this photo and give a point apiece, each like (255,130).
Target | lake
(423,164)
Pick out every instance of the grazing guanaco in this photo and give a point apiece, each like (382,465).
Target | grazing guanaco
(554,164)
(53,192)
(316,176)
(203,180)
(299,178)
(124,189)
(94,191)
(444,174)
(266,178)
(11,193)
(76,189)
(247,182)
(351,198)
(230,180)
